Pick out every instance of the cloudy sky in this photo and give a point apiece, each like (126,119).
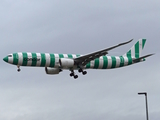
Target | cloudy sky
(81,26)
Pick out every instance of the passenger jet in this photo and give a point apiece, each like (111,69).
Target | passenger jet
(55,63)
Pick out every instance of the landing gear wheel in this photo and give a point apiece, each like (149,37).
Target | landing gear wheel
(71,74)
(18,70)
(84,72)
(76,76)
(80,70)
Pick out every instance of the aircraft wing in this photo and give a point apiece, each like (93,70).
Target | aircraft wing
(83,60)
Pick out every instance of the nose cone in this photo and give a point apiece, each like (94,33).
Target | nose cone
(5,59)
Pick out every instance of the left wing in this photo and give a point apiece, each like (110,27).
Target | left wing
(83,60)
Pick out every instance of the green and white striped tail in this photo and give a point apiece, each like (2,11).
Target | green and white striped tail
(136,50)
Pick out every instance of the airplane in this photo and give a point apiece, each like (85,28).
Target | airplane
(56,63)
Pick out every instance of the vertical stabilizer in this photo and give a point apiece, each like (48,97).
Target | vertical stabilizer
(136,50)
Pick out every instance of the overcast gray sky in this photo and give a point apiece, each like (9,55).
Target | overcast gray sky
(80,26)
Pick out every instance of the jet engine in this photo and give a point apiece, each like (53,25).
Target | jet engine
(52,70)
(66,63)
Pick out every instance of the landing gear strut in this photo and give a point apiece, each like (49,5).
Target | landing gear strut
(73,74)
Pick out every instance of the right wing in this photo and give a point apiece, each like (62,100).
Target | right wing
(83,60)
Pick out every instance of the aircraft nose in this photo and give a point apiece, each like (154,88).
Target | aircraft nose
(5,59)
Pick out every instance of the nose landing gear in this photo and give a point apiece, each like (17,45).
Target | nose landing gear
(18,69)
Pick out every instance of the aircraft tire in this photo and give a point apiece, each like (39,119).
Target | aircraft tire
(71,74)
(76,76)
(18,70)
(84,72)
(80,70)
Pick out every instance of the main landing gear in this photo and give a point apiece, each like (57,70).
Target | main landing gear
(73,74)
(18,69)
(81,71)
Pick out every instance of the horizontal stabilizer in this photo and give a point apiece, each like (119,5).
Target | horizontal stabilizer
(139,59)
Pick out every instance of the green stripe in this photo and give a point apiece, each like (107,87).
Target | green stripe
(96,63)
(70,56)
(15,58)
(113,62)
(25,57)
(43,60)
(137,50)
(121,61)
(61,56)
(129,53)
(143,43)
(6,59)
(105,62)
(129,57)
(88,65)
(77,55)
(52,60)
(34,59)
(129,60)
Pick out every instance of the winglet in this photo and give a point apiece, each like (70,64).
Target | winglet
(125,42)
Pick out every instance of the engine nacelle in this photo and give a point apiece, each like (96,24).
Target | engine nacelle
(66,63)
(52,70)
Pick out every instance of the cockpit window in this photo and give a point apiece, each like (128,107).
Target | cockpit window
(9,55)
